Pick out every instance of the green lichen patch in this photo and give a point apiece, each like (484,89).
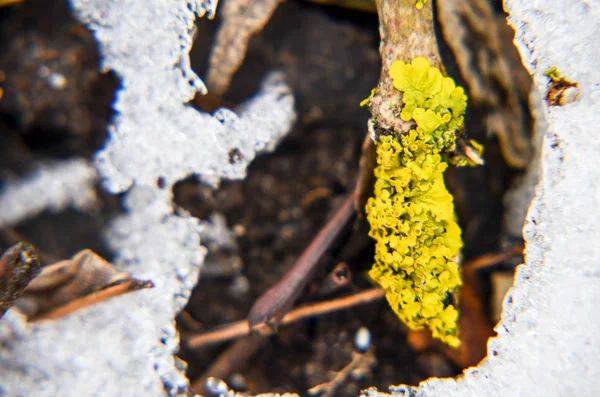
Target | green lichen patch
(412,213)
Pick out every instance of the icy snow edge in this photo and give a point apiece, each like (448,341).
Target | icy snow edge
(126,346)
(548,340)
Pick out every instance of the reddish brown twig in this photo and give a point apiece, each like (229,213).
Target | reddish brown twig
(492,259)
(271,306)
(118,288)
(241,328)
(363,361)
(226,333)
(230,361)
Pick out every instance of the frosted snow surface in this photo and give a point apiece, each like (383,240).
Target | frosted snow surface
(125,346)
(548,340)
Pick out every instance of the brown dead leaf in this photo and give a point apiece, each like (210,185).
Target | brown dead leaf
(18,265)
(561,91)
(73,284)
(476,44)
(241,20)
(475,327)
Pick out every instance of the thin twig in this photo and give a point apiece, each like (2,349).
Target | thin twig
(190,322)
(271,306)
(359,360)
(241,328)
(321,308)
(220,335)
(230,361)
(119,288)
(492,259)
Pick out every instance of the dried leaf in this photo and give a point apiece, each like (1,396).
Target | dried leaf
(73,284)
(561,91)
(474,328)
(476,45)
(474,325)
(241,19)
(18,266)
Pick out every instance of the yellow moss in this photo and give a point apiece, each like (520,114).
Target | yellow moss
(412,213)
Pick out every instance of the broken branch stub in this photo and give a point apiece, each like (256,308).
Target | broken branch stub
(406,33)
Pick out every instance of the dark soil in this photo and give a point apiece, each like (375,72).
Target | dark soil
(330,58)
(55,104)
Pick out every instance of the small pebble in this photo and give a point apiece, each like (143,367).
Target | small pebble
(57,81)
(239,230)
(217,387)
(362,339)
(239,287)
(238,382)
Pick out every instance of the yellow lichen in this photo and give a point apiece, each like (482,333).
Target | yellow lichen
(365,101)
(554,74)
(412,213)
(420,4)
